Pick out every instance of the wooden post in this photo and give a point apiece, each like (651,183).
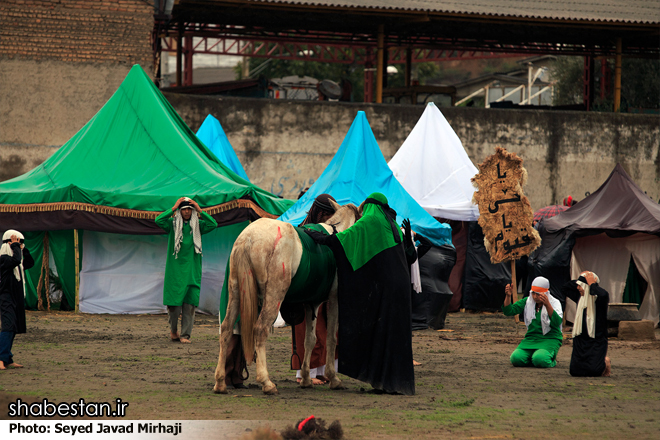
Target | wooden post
(77,268)
(514,286)
(617,76)
(380,61)
(408,73)
(179,55)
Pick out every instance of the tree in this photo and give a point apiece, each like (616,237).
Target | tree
(568,72)
(274,68)
(640,83)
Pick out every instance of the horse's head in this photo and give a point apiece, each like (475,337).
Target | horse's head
(344,216)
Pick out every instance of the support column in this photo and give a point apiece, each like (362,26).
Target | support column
(188,64)
(369,77)
(617,76)
(380,61)
(604,78)
(408,74)
(588,82)
(179,55)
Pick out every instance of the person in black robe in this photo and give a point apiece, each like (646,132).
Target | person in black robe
(589,356)
(14,259)
(375,331)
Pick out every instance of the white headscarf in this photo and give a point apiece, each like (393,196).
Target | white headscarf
(5,249)
(194,231)
(530,306)
(587,301)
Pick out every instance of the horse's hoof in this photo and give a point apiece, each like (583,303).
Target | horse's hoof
(271,391)
(306,385)
(337,386)
(218,390)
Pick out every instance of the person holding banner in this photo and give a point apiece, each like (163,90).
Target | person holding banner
(543,316)
(589,356)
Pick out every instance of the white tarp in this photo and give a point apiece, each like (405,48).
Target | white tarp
(124,273)
(609,258)
(435,170)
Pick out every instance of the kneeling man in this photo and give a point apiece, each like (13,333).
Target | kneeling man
(543,316)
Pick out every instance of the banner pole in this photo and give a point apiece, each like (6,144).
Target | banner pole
(514,287)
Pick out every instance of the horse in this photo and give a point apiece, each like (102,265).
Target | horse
(263,261)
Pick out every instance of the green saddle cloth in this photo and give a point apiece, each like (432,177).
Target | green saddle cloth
(316,272)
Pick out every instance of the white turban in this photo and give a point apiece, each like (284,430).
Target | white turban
(5,249)
(541,285)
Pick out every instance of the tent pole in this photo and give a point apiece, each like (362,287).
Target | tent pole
(77,268)
(514,287)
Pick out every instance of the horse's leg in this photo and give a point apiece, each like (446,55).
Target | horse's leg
(331,342)
(310,343)
(226,331)
(266,319)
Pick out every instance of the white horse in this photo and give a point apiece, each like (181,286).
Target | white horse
(263,261)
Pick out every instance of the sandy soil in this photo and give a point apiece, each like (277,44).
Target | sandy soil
(466,387)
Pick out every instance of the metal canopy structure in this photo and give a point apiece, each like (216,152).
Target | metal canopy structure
(590,28)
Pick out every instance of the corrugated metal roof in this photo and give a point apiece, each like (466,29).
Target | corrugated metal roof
(612,11)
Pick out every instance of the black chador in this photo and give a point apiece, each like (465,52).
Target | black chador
(590,329)
(375,332)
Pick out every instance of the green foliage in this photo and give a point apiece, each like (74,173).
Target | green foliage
(640,83)
(423,72)
(568,72)
(273,68)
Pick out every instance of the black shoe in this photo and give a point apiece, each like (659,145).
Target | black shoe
(240,386)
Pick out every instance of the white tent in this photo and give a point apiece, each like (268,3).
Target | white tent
(435,170)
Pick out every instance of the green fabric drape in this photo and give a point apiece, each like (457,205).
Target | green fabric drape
(370,235)
(63,251)
(64,254)
(635,286)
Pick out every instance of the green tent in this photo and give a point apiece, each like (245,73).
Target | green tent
(130,162)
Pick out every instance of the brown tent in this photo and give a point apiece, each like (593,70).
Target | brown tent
(602,233)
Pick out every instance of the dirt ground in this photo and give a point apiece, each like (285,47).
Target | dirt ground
(466,387)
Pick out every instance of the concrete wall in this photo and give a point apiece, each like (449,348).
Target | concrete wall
(285,145)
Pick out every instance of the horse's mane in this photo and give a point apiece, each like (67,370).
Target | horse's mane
(356,211)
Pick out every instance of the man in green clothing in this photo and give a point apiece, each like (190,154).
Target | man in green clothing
(543,316)
(184,223)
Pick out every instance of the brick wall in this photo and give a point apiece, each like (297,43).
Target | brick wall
(97,31)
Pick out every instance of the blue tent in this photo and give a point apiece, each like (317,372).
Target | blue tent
(358,169)
(214,137)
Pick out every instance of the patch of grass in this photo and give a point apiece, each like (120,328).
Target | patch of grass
(374,414)
(456,415)
(440,351)
(461,403)
(153,358)
(279,339)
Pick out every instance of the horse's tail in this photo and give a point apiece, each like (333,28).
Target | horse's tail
(248,293)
